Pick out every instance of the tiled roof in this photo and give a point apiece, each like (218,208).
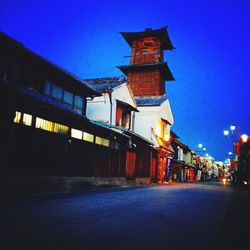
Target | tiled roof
(150,100)
(161,34)
(124,131)
(105,84)
(162,66)
(7,39)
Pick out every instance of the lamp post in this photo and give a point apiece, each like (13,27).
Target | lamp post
(237,159)
(200,149)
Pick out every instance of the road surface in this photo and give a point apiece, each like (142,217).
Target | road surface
(176,216)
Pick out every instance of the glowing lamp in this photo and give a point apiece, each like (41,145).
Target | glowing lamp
(226,132)
(244,138)
(232,127)
(204,149)
(229,153)
(200,145)
(207,155)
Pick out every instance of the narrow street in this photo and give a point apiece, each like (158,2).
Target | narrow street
(176,216)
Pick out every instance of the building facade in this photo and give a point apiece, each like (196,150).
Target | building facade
(147,73)
(46,135)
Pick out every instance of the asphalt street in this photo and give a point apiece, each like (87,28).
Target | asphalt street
(176,216)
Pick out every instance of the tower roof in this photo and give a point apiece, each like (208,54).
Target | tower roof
(163,67)
(161,34)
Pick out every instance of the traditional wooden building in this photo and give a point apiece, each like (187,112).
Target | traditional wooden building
(116,109)
(46,136)
(147,73)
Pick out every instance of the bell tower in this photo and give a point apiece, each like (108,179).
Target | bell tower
(147,71)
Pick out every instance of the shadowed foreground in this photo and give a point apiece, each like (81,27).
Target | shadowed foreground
(180,216)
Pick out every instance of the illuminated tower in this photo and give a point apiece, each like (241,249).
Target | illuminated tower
(147,71)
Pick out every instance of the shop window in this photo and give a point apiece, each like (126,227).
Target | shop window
(17,118)
(61,129)
(98,140)
(88,137)
(75,133)
(106,142)
(102,141)
(44,124)
(27,119)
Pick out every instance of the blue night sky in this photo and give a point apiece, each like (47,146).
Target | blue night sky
(211,62)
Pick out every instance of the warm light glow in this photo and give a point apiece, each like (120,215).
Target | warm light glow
(200,145)
(88,137)
(17,117)
(158,129)
(61,129)
(226,132)
(75,133)
(106,142)
(245,182)
(166,137)
(27,119)
(224,180)
(44,124)
(232,127)
(244,138)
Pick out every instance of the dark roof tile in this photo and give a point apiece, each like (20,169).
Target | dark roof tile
(105,84)
(150,100)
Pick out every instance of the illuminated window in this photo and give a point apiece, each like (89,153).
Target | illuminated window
(88,137)
(44,124)
(17,118)
(75,133)
(98,140)
(61,129)
(105,142)
(27,119)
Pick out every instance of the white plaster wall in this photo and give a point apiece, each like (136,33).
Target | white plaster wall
(166,112)
(145,119)
(98,109)
(150,117)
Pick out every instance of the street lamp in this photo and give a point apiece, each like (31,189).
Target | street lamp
(244,138)
(200,149)
(232,131)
